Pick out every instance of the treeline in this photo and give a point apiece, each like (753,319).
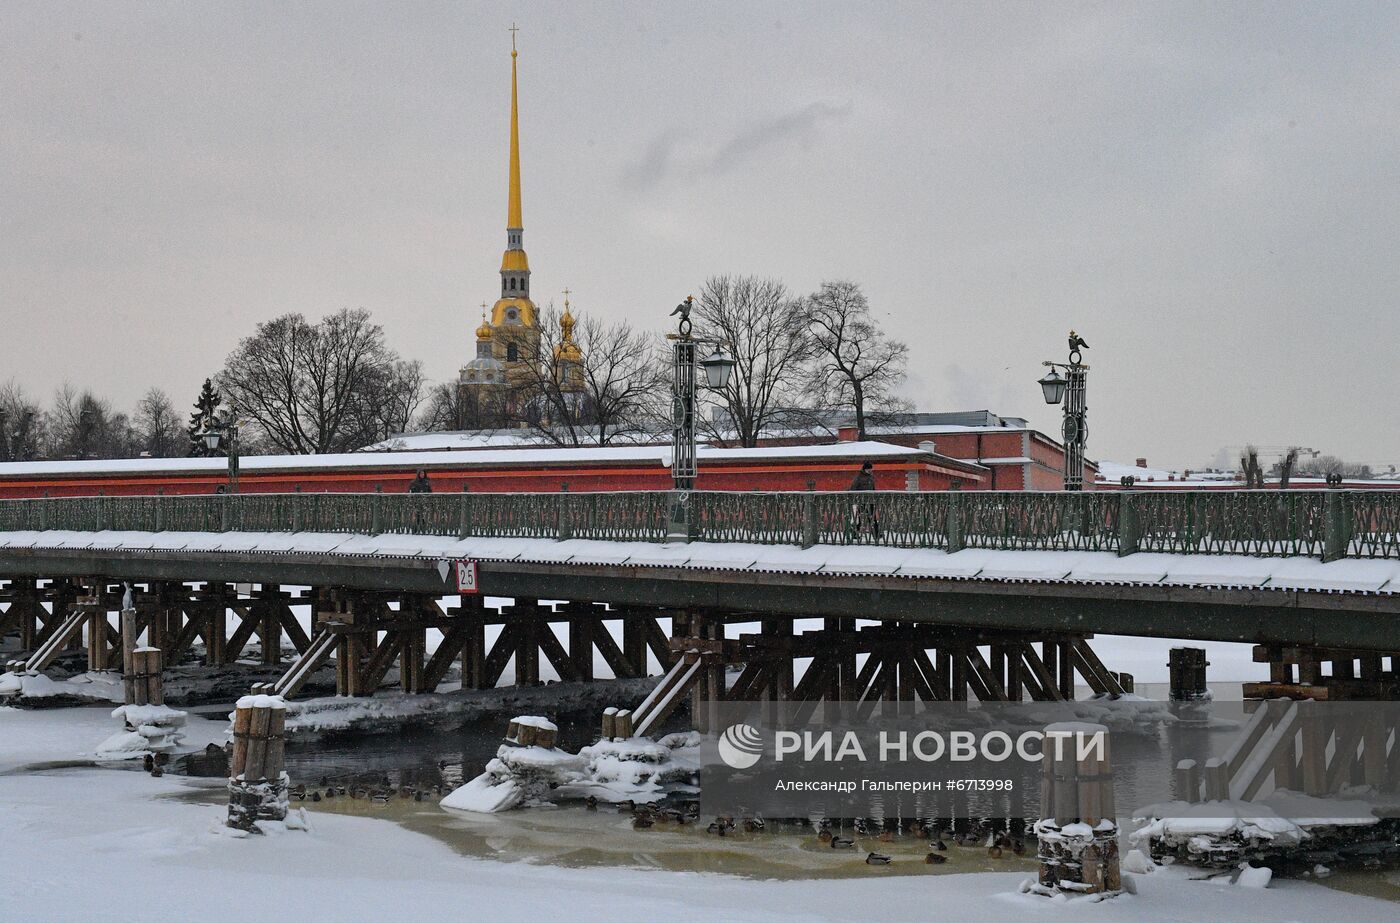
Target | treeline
(803,363)
(80,424)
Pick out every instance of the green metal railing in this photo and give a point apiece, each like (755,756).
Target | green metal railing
(1331,524)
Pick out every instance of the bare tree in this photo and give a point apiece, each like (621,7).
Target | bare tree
(82,425)
(333,386)
(1322,465)
(766,332)
(158,426)
(855,368)
(22,432)
(615,394)
(1249,466)
(390,398)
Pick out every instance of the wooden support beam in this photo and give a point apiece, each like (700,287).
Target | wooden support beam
(581,630)
(250,620)
(985,681)
(750,681)
(612,654)
(381,658)
(1038,678)
(293,628)
(435,670)
(634,643)
(495,662)
(527,650)
(474,656)
(659,644)
(932,685)
(1099,677)
(556,655)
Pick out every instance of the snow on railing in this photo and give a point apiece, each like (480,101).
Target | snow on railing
(1331,523)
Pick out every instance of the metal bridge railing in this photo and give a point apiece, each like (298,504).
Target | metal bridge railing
(1331,523)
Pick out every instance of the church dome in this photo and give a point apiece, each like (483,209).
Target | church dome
(483,370)
(484,331)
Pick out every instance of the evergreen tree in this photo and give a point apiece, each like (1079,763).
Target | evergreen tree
(204,410)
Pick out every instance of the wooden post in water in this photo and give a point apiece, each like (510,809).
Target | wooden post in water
(257,786)
(1078,828)
(130,631)
(1187,669)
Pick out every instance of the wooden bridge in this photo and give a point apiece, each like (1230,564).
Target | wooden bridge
(990,595)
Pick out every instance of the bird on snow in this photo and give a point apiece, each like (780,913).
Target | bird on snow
(935,858)
(841,842)
(876,858)
(938,843)
(1076,342)
(753,823)
(641,822)
(315,796)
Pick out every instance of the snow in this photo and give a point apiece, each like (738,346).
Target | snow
(1254,877)
(102,687)
(657,455)
(486,794)
(1353,575)
(122,827)
(55,735)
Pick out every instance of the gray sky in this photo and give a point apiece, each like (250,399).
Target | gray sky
(1207,192)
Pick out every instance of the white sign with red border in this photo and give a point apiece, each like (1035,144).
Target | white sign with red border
(466,577)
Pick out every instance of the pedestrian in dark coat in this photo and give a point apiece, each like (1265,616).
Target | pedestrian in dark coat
(865,480)
(864,517)
(420,484)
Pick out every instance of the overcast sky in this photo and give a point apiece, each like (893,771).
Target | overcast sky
(1208,193)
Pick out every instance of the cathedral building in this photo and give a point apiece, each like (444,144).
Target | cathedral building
(502,385)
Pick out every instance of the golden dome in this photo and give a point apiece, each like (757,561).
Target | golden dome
(515,261)
(567,349)
(484,331)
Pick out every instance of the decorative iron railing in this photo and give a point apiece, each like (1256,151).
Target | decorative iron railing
(1331,524)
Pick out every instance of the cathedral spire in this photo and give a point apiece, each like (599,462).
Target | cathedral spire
(514,306)
(513,219)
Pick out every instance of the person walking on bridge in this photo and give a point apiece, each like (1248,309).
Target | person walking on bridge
(864,518)
(865,479)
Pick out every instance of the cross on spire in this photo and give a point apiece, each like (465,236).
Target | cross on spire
(567,293)
(512,30)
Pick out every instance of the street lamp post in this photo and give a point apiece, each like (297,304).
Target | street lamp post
(1069,389)
(717,367)
(224,434)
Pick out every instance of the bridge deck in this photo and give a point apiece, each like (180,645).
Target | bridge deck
(1286,600)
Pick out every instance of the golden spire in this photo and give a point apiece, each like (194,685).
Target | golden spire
(513,219)
(514,308)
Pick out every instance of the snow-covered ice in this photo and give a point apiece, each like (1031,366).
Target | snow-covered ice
(122,827)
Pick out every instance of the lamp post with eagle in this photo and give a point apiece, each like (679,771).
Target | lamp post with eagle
(1069,389)
(718,366)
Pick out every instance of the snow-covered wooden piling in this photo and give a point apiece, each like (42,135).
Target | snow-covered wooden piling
(257,786)
(1078,829)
